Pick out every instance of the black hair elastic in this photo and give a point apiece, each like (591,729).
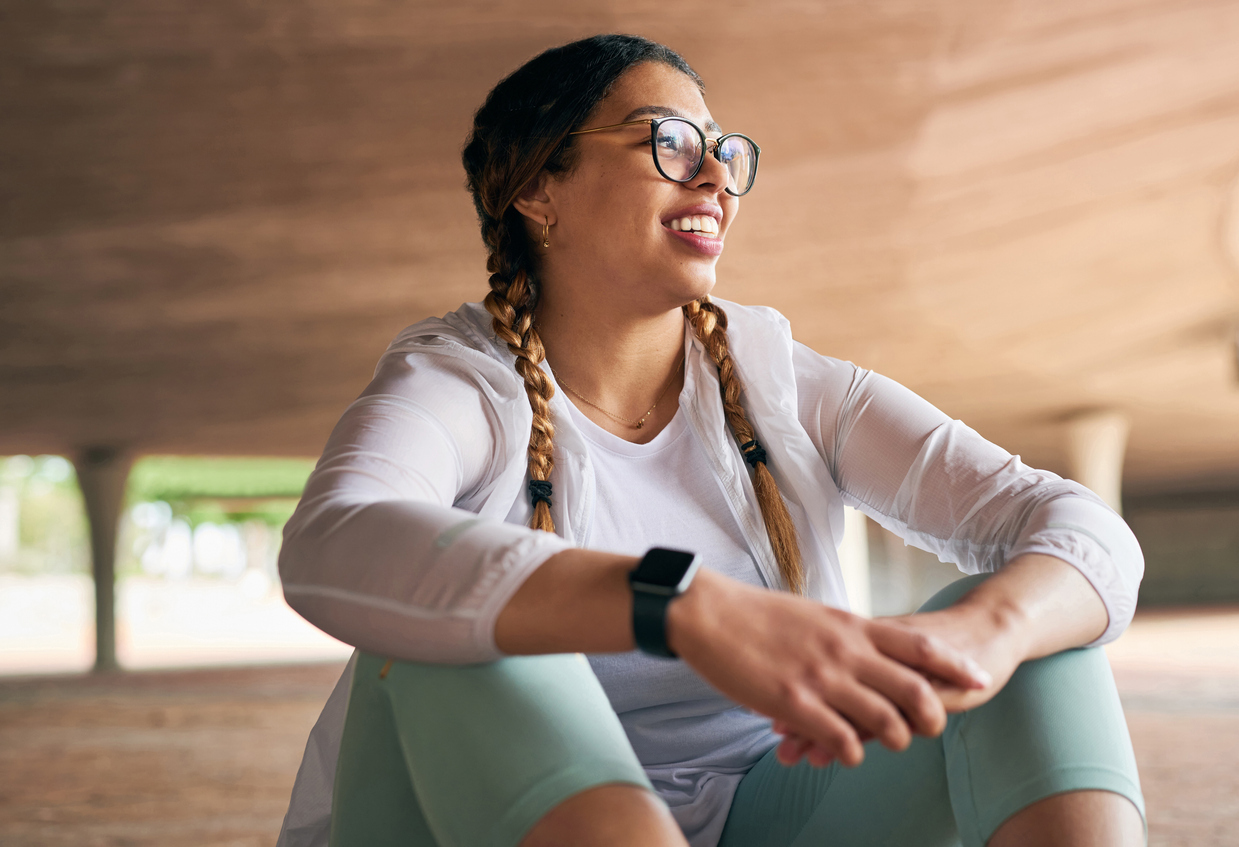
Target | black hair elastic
(540,491)
(753,453)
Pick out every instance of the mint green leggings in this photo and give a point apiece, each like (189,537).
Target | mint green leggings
(473,756)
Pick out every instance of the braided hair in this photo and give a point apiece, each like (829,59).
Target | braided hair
(709,324)
(521,132)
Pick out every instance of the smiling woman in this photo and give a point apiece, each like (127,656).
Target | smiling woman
(613,212)
(469,528)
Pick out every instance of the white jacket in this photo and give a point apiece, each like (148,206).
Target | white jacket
(412,534)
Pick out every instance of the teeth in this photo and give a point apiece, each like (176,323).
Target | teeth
(695,223)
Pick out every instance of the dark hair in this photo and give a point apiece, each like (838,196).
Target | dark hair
(520,132)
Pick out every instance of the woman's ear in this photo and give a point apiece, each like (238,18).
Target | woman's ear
(536,203)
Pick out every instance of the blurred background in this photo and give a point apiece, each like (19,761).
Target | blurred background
(213,218)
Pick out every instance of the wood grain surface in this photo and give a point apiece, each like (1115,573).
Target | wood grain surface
(214,217)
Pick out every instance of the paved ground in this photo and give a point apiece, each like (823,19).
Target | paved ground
(206,757)
(47,624)
(1179,676)
(191,758)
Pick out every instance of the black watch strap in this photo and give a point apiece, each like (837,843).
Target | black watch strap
(649,623)
(661,576)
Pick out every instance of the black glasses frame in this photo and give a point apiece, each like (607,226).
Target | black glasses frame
(705,146)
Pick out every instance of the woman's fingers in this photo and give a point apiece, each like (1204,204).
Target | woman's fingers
(819,756)
(848,713)
(956,699)
(873,715)
(792,749)
(821,724)
(929,654)
(914,696)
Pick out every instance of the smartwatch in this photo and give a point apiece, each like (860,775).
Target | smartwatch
(661,576)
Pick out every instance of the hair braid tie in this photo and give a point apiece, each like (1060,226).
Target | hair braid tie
(540,491)
(753,453)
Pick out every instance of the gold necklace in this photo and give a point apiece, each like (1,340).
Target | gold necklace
(634,424)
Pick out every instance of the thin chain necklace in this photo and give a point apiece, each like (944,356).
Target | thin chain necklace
(634,424)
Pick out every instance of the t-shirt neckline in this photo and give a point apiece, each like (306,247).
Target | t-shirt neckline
(611,442)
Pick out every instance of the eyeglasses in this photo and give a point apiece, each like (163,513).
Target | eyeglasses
(679,147)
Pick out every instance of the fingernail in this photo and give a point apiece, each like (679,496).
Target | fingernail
(980,675)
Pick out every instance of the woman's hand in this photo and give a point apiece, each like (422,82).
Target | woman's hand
(1035,606)
(992,640)
(984,638)
(830,677)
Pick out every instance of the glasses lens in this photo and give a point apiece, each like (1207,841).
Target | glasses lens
(679,147)
(740,157)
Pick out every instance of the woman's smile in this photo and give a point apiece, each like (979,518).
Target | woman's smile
(699,227)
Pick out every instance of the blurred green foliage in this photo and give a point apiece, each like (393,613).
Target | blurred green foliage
(39,499)
(221,489)
(274,513)
(172,478)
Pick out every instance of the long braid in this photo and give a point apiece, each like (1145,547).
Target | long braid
(511,303)
(709,322)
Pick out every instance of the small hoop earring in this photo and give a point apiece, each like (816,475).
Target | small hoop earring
(546,232)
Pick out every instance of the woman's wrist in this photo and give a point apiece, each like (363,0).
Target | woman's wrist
(998,619)
(1039,603)
(696,610)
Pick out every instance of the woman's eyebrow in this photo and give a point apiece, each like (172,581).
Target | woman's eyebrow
(666,112)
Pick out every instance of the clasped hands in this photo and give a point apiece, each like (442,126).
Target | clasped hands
(831,680)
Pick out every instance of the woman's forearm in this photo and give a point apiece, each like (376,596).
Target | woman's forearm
(577,601)
(1042,601)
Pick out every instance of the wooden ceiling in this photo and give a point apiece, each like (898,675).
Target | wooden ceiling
(213,217)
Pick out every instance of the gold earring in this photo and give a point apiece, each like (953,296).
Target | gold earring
(546,232)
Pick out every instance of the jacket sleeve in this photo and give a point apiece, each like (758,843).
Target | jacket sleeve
(942,487)
(376,554)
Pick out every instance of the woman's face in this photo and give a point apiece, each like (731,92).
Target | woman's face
(612,237)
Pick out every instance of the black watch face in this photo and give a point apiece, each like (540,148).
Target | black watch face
(663,567)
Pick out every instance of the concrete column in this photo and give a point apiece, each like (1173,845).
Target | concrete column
(854,559)
(101,475)
(1096,444)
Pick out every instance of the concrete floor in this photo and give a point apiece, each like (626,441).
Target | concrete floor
(206,757)
(47,624)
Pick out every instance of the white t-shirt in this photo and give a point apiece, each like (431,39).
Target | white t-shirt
(694,743)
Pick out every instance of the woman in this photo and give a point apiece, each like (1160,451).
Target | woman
(477,514)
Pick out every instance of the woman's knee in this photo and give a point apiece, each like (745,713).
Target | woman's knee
(1057,726)
(951,594)
(490,749)
(614,815)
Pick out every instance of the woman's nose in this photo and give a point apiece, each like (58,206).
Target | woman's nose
(719,173)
